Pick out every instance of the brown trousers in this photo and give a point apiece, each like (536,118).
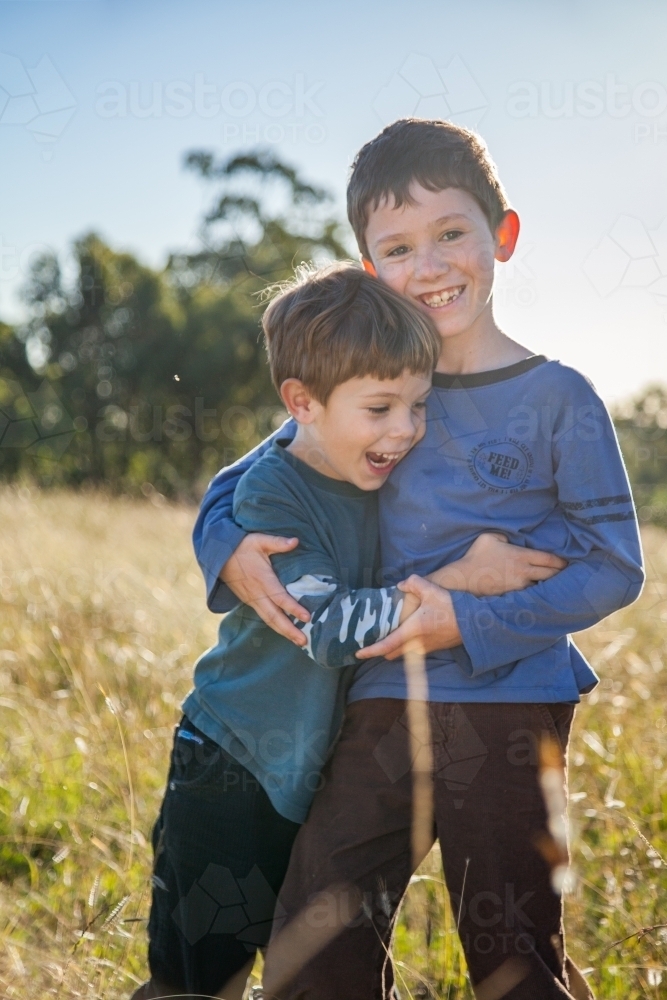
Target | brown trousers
(351,861)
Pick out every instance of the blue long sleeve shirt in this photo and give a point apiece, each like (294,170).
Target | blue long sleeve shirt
(528,450)
(275,708)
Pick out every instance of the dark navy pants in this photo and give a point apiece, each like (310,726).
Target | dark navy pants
(221,853)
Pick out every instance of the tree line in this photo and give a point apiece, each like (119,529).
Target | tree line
(147,380)
(134,377)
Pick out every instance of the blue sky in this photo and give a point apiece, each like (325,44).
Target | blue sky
(99,99)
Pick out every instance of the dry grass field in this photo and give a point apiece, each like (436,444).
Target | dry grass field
(102,616)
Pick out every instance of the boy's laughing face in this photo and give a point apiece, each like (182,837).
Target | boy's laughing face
(439,250)
(363,430)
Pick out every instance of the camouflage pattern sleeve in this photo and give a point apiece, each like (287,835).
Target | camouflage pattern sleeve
(343,621)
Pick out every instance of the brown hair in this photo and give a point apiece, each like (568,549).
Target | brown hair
(435,154)
(335,323)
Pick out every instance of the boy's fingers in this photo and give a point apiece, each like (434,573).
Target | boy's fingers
(272,616)
(276,543)
(542,573)
(368,652)
(377,649)
(539,558)
(414,585)
(391,643)
(291,606)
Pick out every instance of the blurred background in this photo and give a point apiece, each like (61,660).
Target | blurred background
(162,162)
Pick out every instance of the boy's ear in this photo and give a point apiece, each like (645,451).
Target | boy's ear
(369,267)
(507,234)
(298,401)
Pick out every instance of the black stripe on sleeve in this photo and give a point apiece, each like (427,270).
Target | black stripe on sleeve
(599,502)
(599,518)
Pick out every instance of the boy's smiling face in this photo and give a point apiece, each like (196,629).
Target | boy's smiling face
(439,251)
(365,428)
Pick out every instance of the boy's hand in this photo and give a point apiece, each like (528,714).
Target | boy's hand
(492,566)
(431,626)
(249,574)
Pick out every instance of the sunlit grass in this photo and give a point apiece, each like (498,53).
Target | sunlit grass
(102,618)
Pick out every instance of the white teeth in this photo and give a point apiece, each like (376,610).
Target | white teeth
(382,458)
(443,298)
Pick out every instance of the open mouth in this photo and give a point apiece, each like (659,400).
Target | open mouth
(436,300)
(383,461)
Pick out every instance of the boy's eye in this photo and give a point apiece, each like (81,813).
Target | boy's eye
(451,234)
(398,251)
(378,409)
(421,405)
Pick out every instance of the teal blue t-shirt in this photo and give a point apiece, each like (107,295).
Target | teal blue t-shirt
(272,706)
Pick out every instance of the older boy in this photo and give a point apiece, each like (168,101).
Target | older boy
(516,443)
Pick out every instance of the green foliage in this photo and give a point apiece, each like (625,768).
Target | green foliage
(642,430)
(159,378)
(13,862)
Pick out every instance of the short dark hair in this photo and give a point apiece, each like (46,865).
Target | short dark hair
(436,154)
(334,323)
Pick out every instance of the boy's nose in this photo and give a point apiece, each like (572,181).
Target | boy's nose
(404,428)
(430,263)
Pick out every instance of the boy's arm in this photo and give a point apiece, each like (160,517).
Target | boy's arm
(216,536)
(605,569)
(344,621)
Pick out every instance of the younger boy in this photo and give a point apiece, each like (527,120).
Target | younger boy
(516,443)
(353,362)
